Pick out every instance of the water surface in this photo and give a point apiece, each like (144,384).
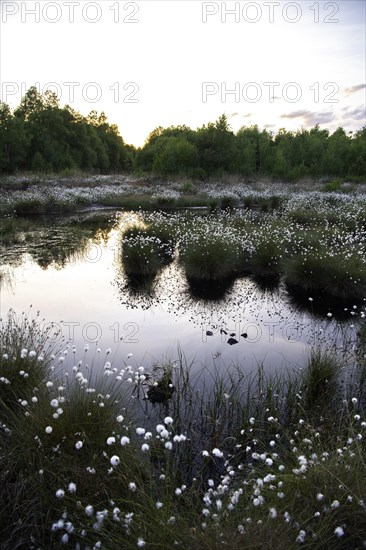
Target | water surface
(70,268)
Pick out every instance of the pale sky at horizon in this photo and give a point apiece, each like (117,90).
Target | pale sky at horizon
(169,67)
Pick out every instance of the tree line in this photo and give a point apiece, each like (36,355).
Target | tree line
(43,137)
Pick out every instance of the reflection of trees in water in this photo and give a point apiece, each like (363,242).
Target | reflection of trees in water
(57,247)
(55,243)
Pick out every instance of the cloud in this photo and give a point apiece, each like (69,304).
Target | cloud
(238,114)
(357,113)
(354,89)
(311,118)
(295,114)
(354,117)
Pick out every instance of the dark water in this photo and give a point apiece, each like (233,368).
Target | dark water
(70,269)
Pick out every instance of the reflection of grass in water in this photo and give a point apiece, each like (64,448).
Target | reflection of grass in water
(321,305)
(12,229)
(239,458)
(208,289)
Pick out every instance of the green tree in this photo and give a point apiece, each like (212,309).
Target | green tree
(216,146)
(14,141)
(338,154)
(178,156)
(357,165)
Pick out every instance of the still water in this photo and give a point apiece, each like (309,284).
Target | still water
(70,268)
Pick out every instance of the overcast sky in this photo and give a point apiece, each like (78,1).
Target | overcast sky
(149,63)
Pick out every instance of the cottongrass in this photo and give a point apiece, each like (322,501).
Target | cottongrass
(324,258)
(240,460)
(145,251)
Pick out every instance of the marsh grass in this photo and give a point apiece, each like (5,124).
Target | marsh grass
(266,262)
(337,275)
(145,251)
(210,260)
(54,434)
(321,381)
(246,460)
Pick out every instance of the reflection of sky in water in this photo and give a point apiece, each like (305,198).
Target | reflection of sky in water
(89,298)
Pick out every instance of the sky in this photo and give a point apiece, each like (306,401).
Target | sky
(148,63)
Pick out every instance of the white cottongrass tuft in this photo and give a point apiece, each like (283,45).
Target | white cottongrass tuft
(301,536)
(216,452)
(89,510)
(78,445)
(48,430)
(125,440)
(114,460)
(72,487)
(60,493)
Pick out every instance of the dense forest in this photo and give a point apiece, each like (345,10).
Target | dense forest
(41,136)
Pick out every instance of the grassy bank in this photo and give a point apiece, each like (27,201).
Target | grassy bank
(32,194)
(231,458)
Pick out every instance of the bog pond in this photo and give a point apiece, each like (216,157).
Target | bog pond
(203,381)
(226,287)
